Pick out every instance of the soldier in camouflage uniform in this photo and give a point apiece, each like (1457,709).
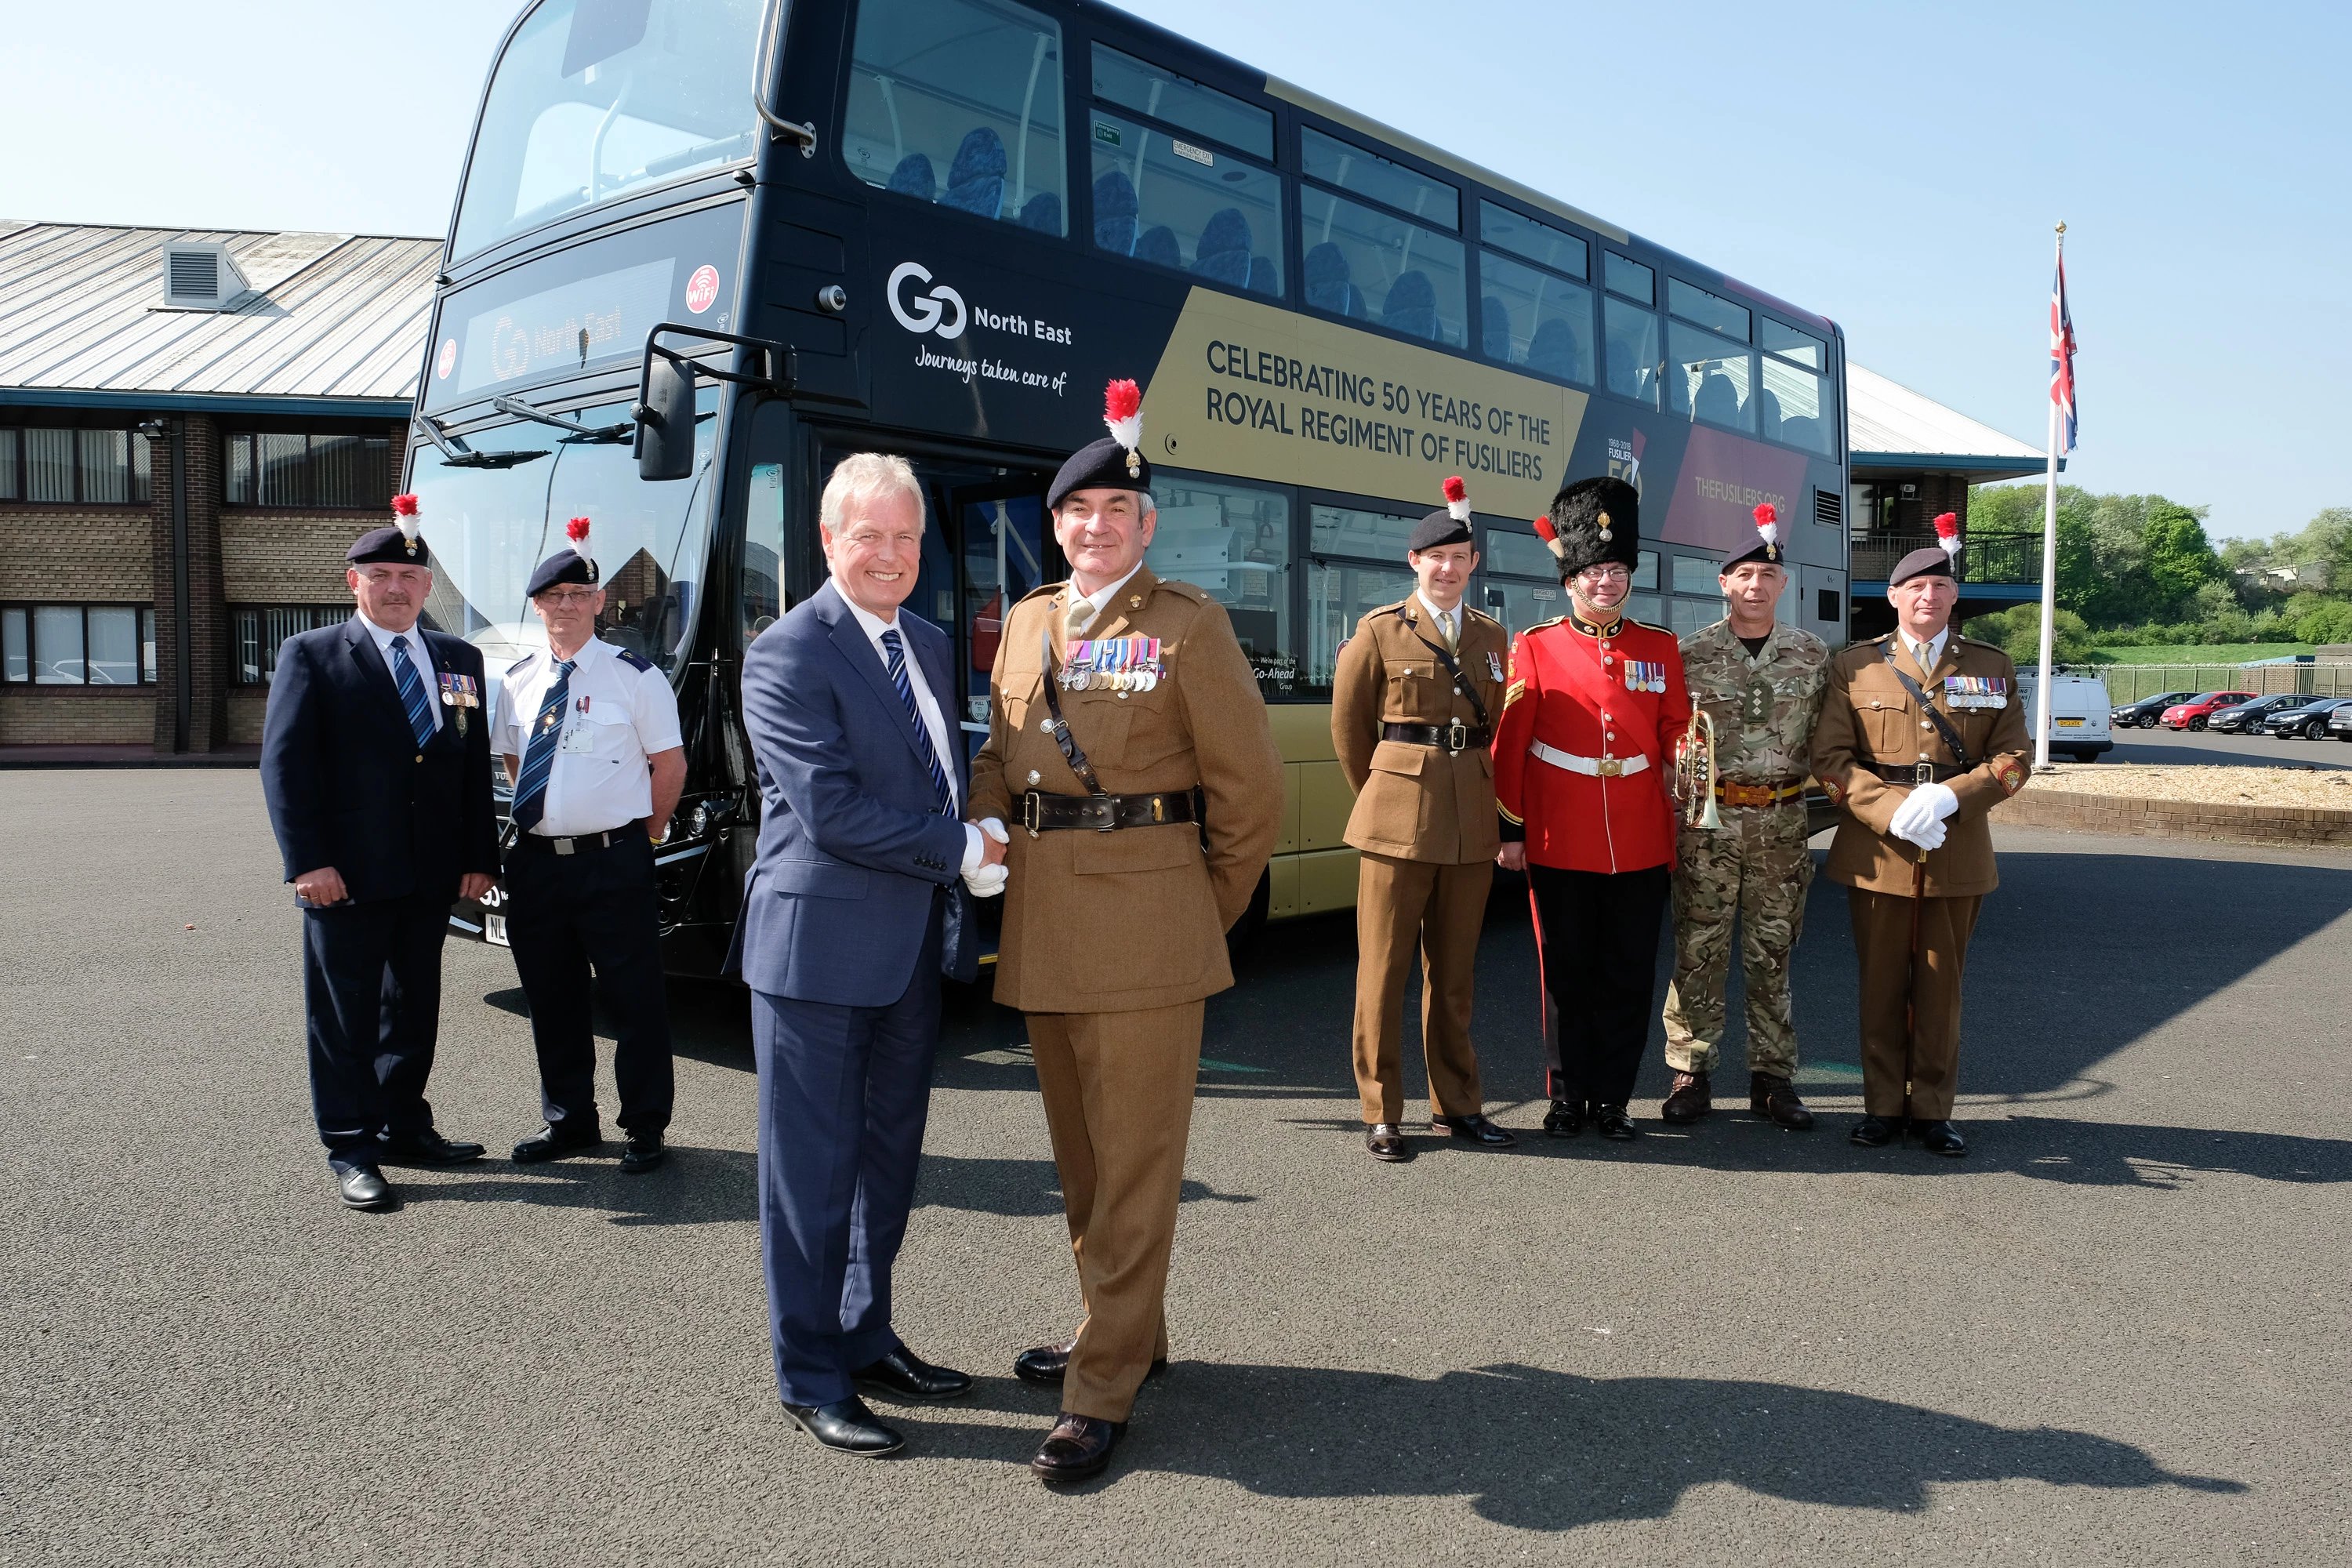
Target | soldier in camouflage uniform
(1761,681)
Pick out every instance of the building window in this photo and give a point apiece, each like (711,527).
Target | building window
(78,645)
(340,471)
(90,467)
(256,633)
(1233,541)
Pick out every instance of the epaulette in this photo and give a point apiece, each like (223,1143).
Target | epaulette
(1980,642)
(1193,592)
(1556,620)
(633,660)
(1041,588)
(1648,626)
(1481,614)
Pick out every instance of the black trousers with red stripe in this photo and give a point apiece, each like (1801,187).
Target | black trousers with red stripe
(1597,936)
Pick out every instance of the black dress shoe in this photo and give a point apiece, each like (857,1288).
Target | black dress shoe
(1612,1122)
(429,1148)
(1876,1131)
(1386,1141)
(554,1141)
(643,1155)
(903,1374)
(1941,1138)
(1475,1128)
(846,1427)
(1077,1449)
(1775,1098)
(363,1187)
(1565,1119)
(1046,1365)
(1691,1098)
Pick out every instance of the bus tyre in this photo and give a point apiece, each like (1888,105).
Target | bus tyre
(1246,930)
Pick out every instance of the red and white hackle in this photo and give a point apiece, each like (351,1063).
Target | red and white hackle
(404,516)
(1947,535)
(1457,500)
(1123,412)
(576,530)
(1767,523)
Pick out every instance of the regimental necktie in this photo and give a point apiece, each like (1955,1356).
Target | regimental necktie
(898,655)
(412,695)
(1446,629)
(539,755)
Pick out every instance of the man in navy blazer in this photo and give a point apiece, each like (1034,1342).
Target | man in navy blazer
(375,763)
(854,909)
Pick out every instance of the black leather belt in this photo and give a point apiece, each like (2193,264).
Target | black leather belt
(1041,813)
(582,843)
(1912,774)
(1453,737)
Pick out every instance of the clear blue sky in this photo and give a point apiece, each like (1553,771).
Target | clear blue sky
(1899,168)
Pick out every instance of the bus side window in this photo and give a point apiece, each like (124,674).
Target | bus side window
(763,551)
(960,103)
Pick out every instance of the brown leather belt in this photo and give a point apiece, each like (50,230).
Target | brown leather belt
(1453,738)
(1910,772)
(1041,813)
(582,843)
(1731,791)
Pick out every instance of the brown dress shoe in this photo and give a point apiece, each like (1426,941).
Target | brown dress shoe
(1690,1099)
(1775,1098)
(1077,1449)
(1046,1365)
(1386,1141)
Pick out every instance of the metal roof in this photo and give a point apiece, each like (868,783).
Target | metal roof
(1889,425)
(329,318)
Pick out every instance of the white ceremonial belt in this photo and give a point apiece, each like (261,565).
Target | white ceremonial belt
(1591,767)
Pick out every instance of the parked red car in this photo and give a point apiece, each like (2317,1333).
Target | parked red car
(2191,714)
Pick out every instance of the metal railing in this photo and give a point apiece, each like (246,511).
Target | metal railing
(1984,557)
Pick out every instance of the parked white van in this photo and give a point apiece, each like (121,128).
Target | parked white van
(2078,713)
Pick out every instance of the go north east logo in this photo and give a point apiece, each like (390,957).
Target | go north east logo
(941,311)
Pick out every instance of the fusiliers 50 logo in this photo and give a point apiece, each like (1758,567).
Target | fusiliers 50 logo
(941,311)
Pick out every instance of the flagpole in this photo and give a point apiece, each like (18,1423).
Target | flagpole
(2049,576)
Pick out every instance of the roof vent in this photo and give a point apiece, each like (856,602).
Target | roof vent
(198,276)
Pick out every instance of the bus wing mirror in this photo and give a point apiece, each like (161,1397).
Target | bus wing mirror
(665,441)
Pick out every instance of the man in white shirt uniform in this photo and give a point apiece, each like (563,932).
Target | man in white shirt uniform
(590,734)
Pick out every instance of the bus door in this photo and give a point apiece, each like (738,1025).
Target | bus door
(1004,550)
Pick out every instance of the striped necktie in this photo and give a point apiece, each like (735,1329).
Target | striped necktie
(539,756)
(411,691)
(898,654)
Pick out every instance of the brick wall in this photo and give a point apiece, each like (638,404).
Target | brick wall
(1936,494)
(272,557)
(246,706)
(76,715)
(74,554)
(2303,827)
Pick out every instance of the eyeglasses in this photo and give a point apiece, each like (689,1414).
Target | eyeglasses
(1604,574)
(567,598)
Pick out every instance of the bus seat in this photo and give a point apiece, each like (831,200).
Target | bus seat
(976,178)
(1411,306)
(1042,213)
(1768,406)
(1158,246)
(1265,277)
(913,177)
(1328,285)
(1115,208)
(1555,351)
(1224,253)
(1495,330)
(1625,370)
(1719,400)
(1803,432)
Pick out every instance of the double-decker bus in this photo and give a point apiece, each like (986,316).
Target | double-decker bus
(705,248)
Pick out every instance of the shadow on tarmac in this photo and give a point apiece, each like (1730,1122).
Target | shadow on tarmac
(1537,1450)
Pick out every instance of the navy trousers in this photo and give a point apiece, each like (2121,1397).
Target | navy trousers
(1598,938)
(371,994)
(844,1093)
(568,911)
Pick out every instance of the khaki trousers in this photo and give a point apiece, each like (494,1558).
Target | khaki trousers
(1403,907)
(1118,1107)
(1882,941)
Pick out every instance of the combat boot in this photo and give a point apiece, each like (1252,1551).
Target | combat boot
(1775,1098)
(1690,1099)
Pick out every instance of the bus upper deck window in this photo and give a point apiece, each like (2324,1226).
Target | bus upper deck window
(959,103)
(1630,279)
(1135,84)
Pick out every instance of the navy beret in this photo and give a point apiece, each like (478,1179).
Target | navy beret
(388,546)
(1103,465)
(1931,562)
(1450,524)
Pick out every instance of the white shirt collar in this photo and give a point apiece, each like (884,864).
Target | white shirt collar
(1929,653)
(1105,597)
(582,655)
(416,635)
(1438,615)
(868,622)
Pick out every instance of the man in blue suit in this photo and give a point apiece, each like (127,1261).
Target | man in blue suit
(376,767)
(851,914)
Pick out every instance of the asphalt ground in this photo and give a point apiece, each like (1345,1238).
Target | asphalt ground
(2192,748)
(2114,1333)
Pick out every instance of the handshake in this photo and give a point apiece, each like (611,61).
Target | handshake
(984,871)
(1920,818)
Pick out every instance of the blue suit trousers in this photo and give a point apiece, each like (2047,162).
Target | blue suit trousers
(371,994)
(844,1095)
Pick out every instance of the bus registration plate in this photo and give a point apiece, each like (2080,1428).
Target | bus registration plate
(494,930)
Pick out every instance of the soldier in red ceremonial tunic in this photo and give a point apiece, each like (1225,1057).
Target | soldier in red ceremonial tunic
(1582,755)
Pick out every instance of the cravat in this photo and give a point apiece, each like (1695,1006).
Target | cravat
(411,691)
(898,654)
(539,756)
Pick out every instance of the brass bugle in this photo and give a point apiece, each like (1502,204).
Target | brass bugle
(1693,782)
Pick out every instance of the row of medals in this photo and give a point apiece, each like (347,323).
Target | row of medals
(1141,675)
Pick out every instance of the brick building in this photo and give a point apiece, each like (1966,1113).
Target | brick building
(194,426)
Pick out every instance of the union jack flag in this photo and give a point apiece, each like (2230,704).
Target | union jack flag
(2062,357)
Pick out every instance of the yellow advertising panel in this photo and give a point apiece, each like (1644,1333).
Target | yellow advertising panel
(1255,392)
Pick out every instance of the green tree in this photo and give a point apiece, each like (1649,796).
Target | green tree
(2017,631)
(2179,559)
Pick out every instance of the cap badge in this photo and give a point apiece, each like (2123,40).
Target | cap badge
(1605,535)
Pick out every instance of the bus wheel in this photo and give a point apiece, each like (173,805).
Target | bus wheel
(1246,930)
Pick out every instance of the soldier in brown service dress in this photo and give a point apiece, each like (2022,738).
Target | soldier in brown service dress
(1921,735)
(1412,706)
(1128,750)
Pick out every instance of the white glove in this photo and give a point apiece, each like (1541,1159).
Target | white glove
(986,881)
(1939,798)
(1919,819)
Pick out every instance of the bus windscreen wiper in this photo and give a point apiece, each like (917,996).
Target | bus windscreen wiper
(454,454)
(605,433)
